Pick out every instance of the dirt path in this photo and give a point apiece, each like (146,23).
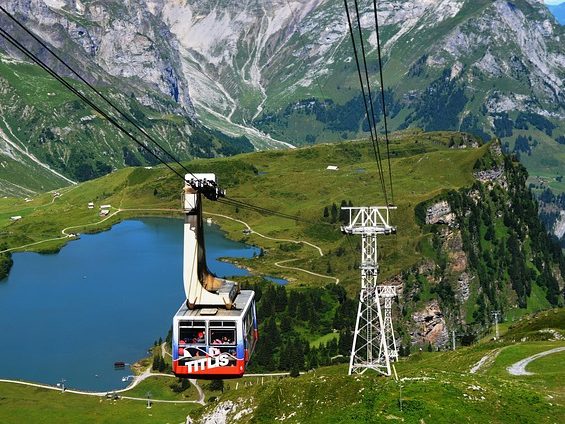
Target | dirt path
(137,379)
(488,359)
(267,237)
(519,368)
(278,264)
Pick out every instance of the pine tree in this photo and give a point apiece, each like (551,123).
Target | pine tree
(156,362)
(343,213)
(162,364)
(334,213)
(294,371)
(217,385)
(280,299)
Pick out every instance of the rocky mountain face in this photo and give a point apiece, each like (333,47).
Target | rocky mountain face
(105,39)
(282,73)
(48,138)
(492,68)
(488,252)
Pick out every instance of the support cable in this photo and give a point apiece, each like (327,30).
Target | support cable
(112,120)
(105,98)
(81,96)
(51,72)
(385,117)
(361,83)
(373,117)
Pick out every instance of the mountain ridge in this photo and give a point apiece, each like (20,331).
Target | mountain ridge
(558,11)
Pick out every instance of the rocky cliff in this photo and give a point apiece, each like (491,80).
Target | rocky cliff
(487,252)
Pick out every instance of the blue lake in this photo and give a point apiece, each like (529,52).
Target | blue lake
(104,298)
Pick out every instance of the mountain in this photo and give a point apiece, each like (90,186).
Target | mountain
(48,138)
(558,11)
(469,238)
(468,243)
(492,68)
(281,72)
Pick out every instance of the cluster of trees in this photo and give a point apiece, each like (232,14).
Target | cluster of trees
(503,125)
(505,241)
(6,262)
(440,105)
(181,385)
(159,364)
(523,145)
(472,124)
(341,118)
(286,317)
(334,214)
(525,119)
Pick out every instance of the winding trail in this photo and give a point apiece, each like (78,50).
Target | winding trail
(267,237)
(67,235)
(279,264)
(519,368)
(487,359)
(137,379)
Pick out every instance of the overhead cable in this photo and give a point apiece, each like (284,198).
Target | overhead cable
(81,96)
(363,92)
(101,95)
(362,42)
(385,117)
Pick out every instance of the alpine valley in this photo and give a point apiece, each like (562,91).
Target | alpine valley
(215,79)
(265,94)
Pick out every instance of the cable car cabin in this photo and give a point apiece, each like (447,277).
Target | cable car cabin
(212,343)
(215,329)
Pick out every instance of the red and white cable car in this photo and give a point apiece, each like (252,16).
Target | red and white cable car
(215,329)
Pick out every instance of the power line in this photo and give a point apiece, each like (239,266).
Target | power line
(370,99)
(385,117)
(108,101)
(362,88)
(238,203)
(54,74)
(50,71)
(233,202)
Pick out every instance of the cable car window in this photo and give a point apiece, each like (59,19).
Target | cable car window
(222,324)
(222,336)
(192,335)
(192,323)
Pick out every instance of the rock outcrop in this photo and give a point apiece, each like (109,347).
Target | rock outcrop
(430,326)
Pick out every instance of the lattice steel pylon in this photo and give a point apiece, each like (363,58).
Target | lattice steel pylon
(387,294)
(370,347)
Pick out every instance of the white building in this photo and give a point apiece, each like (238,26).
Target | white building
(15,218)
(332,168)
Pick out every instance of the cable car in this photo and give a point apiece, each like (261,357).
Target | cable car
(215,329)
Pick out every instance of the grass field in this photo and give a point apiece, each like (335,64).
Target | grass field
(434,387)
(294,182)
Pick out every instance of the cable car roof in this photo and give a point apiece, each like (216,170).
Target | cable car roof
(241,303)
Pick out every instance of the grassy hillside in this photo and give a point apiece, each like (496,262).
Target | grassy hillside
(293,182)
(64,134)
(434,387)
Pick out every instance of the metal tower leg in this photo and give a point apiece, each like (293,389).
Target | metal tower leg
(370,345)
(388,293)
